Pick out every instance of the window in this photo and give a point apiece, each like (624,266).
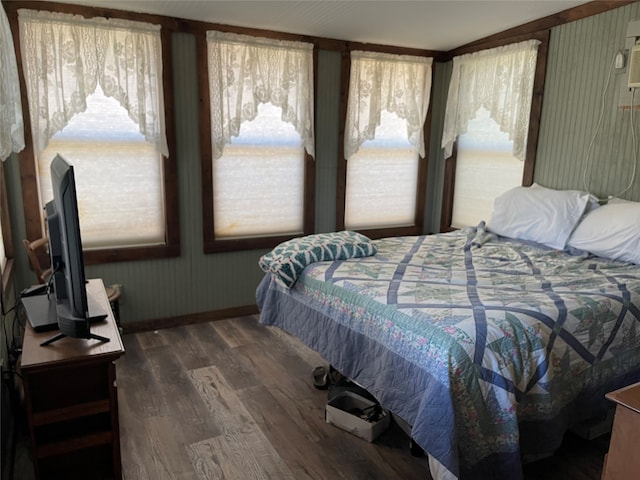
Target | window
(6,244)
(487,116)
(95,89)
(118,176)
(485,168)
(3,250)
(3,253)
(11,138)
(382,179)
(258,181)
(384,142)
(261,141)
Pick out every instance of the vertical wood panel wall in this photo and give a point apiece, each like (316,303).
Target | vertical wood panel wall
(327,129)
(580,54)
(435,175)
(580,58)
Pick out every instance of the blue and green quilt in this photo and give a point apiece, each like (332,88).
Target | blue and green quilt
(489,351)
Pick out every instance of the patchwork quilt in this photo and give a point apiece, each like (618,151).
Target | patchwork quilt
(489,350)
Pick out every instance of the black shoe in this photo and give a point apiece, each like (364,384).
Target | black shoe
(320,378)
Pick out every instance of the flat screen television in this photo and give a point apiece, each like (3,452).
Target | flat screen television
(67,260)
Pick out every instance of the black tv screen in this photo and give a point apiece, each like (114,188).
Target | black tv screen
(67,260)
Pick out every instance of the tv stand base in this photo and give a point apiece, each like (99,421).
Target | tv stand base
(57,337)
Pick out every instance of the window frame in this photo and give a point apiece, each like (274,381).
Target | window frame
(5,222)
(423,162)
(448,189)
(34,223)
(211,244)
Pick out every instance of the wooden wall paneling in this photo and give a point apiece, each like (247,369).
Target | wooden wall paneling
(327,134)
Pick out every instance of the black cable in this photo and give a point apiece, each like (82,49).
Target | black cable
(9,346)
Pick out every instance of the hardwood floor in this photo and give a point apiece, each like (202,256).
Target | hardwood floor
(232,400)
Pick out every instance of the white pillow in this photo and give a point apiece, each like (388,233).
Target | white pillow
(592,203)
(538,214)
(611,231)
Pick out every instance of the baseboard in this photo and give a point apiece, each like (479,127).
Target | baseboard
(201,317)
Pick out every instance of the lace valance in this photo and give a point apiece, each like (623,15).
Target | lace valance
(245,71)
(66,56)
(11,127)
(500,80)
(399,84)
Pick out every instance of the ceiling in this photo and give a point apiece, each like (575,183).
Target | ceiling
(424,24)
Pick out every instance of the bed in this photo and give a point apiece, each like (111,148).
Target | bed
(489,347)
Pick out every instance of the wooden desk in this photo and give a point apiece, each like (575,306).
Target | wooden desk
(72,401)
(623,462)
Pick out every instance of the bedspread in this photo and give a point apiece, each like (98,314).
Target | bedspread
(487,352)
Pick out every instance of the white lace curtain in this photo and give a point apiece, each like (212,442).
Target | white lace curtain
(245,71)
(11,127)
(67,56)
(399,84)
(500,80)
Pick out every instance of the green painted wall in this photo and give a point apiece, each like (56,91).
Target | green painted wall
(580,59)
(580,54)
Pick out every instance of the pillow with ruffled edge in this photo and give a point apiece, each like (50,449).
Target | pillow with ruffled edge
(611,231)
(539,214)
(286,261)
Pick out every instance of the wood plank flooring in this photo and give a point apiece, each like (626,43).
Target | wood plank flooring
(232,400)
